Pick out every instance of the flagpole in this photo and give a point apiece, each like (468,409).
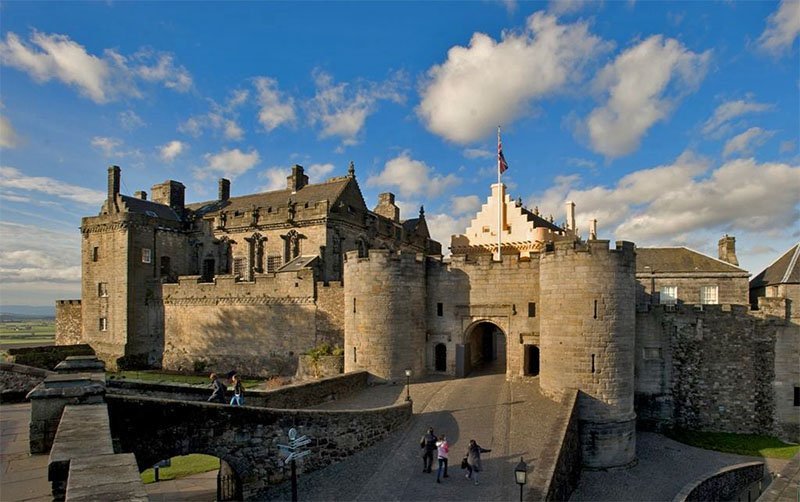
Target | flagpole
(500,203)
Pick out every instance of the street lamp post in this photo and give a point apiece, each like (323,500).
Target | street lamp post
(408,384)
(521,475)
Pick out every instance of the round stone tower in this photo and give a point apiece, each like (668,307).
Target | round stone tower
(588,296)
(384,320)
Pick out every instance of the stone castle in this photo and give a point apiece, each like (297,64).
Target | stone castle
(654,337)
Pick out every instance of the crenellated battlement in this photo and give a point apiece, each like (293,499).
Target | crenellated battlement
(384,256)
(68,302)
(594,247)
(227,287)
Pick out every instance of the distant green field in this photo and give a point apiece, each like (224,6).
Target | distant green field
(742,444)
(182,466)
(34,331)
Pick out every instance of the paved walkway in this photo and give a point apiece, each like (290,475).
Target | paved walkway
(23,477)
(199,487)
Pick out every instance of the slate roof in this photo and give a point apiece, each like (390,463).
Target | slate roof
(149,208)
(784,270)
(329,190)
(679,259)
(539,222)
(299,263)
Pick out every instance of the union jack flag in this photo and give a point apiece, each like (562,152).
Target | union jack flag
(502,165)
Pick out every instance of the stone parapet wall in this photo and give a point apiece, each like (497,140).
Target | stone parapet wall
(69,323)
(48,356)
(558,470)
(330,313)
(726,484)
(301,395)
(246,437)
(16,380)
(384,305)
(226,289)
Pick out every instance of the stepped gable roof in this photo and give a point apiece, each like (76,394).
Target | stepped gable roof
(329,190)
(679,259)
(784,270)
(149,208)
(539,222)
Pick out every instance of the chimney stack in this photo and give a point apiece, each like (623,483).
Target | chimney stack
(140,194)
(170,193)
(727,250)
(297,180)
(571,216)
(224,191)
(113,187)
(593,230)
(387,208)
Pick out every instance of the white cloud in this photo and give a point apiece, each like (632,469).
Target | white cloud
(276,179)
(169,151)
(129,120)
(109,146)
(674,201)
(466,205)
(12,178)
(101,79)
(443,226)
(8,136)
(718,123)
(412,178)
(274,109)
(745,142)
(788,146)
(342,109)
(584,163)
(782,28)
(227,164)
(44,255)
(478,153)
(316,172)
(491,83)
(221,119)
(642,84)
(561,7)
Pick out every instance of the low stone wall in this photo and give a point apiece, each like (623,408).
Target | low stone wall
(325,366)
(246,437)
(49,356)
(725,484)
(301,395)
(558,470)
(16,380)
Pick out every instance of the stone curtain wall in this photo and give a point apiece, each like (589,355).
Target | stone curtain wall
(330,313)
(480,289)
(301,395)
(256,328)
(246,437)
(708,370)
(325,366)
(68,322)
(726,484)
(48,356)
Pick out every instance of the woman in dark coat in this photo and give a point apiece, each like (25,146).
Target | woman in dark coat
(473,455)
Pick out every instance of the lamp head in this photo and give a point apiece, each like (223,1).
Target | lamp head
(521,472)
(408,372)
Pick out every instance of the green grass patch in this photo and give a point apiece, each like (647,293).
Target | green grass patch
(741,444)
(36,327)
(183,466)
(167,377)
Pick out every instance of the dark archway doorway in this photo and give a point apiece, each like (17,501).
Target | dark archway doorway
(531,360)
(485,347)
(440,357)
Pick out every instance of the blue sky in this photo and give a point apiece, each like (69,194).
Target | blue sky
(672,123)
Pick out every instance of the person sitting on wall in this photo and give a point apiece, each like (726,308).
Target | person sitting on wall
(218,389)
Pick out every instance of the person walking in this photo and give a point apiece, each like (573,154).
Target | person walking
(442,449)
(238,391)
(428,443)
(217,389)
(473,455)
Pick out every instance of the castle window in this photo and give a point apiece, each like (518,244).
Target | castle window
(354,305)
(486,230)
(531,309)
(102,289)
(595,309)
(103,324)
(239,267)
(593,368)
(95,253)
(146,255)
(165,266)
(355,356)
(796,395)
(668,295)
(439,309)
(709,295)
(273,263)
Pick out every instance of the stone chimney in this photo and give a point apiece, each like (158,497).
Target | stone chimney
(170,193)
(224,190)
(113,188)
(727,250)
(387,208)
(140,194)
(571,216)
(297,180)
(593,229)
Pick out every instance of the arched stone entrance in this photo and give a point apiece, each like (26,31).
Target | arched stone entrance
(440,357)
(484,348)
